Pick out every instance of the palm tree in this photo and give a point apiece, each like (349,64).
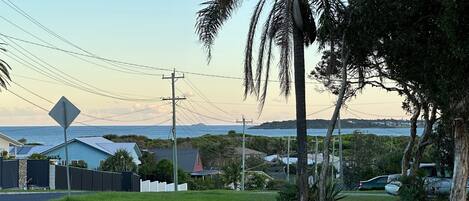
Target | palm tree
(289,26)
(4,68)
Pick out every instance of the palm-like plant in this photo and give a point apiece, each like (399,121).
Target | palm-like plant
(4,74)
(289,26)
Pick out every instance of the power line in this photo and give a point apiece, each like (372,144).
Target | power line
(377,115)
(206,116)
(148,67)
(119,68)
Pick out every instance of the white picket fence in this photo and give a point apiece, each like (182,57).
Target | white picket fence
(156,186)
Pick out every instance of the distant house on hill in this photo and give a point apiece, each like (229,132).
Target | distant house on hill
(6,142)
(188,159)
(250,152)
(92,150)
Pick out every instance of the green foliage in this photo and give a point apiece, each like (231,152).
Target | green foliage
(232,173)
(209,183)
(164,172)
(36,156)
(79,164)
(147,169)
(121,161)
(276,184)
(412,188)
(290,193)
(256,181)
(371,155)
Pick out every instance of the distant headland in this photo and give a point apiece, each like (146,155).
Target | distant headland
(345,123)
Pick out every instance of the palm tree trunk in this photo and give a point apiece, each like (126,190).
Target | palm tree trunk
(299,66)
(461,163)
(410,146)
(330,129)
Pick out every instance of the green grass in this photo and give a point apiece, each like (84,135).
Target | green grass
(180,196)
(211,196)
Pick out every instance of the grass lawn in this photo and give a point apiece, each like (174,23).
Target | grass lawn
(208,196)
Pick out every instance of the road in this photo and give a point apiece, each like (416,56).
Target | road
(37,196)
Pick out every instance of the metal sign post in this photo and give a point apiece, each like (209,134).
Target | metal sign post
(64,112)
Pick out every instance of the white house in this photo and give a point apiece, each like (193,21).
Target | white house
(6,142)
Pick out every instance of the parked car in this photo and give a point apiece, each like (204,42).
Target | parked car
(376,183)
(435,183)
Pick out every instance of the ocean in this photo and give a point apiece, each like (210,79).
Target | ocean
(52,135)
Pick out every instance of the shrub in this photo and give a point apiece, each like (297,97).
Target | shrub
(79,164)
(276,184)
(256,181)
(412,188)
(36,156)
(290,193)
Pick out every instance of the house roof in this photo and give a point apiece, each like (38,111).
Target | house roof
(187,157)
(102,144)
(28,150)
(10,140)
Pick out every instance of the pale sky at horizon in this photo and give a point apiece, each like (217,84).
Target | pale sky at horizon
(156,33)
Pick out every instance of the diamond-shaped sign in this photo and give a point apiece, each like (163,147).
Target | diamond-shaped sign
(64,112)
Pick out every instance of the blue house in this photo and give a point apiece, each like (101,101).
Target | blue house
(92,150)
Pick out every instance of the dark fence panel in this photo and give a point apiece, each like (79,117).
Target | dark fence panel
(75,178)
(9,173)
(116,182)
(107,182)
(87,180)
(97,181)
(38,173)
(60,177)
(90,180)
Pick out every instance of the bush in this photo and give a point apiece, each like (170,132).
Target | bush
(412,188)
(256,181)
(290,193)
(199,184)
(36,156)
(79,164)
(276,184)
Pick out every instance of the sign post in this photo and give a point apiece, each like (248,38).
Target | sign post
(64,112)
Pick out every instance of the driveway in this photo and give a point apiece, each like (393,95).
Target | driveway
(33,196)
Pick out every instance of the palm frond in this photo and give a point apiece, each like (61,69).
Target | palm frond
(249,87)
(260,61)
(211,18)
(282,28)
(4,75)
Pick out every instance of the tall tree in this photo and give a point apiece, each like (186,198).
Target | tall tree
(290,26)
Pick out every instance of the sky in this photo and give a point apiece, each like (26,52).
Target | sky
(152,33)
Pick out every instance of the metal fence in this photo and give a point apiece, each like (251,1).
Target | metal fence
(9,173)
(38,173)
(91,180)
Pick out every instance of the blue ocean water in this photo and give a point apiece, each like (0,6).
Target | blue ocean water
(51,135)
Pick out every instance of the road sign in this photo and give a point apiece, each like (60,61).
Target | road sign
(64,112)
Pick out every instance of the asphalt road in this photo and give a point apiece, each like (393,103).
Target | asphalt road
(31,196)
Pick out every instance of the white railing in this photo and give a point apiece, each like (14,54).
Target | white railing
(156,186)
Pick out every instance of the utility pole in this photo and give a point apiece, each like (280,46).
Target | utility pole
(333,155)
(316,147)
(243,173)
(173,98)
(341,159)
(288,160)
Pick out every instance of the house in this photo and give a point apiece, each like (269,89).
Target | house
(250,153)
(26,151)
(188,159)
(92,150)
(6,142)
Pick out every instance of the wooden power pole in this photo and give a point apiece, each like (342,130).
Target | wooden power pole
(173,99)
